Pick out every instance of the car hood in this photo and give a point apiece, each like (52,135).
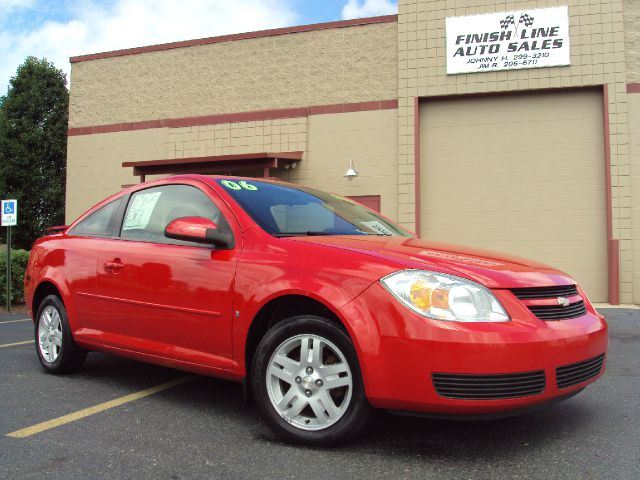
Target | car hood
(488,268)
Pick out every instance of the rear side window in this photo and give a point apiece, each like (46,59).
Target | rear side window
(100,223)
(150,211)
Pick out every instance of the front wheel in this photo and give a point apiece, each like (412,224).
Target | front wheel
(307,382)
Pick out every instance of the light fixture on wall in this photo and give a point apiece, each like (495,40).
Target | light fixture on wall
(351,172)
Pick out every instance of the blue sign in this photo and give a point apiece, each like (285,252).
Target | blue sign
(9,213)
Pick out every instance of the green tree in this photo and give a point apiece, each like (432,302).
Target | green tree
(33,147)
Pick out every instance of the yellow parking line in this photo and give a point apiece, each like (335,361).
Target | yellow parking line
(15,344)
(16,321)
(72,417)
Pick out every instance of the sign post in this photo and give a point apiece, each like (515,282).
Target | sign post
(9,219)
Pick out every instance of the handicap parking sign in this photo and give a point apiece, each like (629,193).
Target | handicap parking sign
(9,213)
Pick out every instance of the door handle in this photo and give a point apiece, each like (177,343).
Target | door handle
(113,267)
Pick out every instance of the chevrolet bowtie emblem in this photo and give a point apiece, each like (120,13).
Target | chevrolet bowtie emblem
(563,301)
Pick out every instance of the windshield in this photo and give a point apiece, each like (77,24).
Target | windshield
(288,211)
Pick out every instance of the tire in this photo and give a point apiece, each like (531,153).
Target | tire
(57,351)
(319,401)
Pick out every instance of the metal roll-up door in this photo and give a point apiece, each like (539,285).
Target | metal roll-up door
(519,173)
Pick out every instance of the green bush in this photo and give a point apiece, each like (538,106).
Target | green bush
(19,259)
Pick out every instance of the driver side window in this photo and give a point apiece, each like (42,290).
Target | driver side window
(149,212)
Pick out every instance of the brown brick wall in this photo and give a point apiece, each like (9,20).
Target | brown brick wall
(340,65)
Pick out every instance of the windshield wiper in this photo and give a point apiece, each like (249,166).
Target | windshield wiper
(301,234)
(320,233)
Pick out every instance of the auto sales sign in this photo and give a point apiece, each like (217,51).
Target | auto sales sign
(508,40)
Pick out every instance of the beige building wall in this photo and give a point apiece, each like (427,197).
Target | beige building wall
(94,164)
(634,154)
(329,142)
(632,39)
(369,139)
(597,58)
(278,135)
(321,67)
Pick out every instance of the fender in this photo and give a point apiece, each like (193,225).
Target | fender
(53,276)
(363,333)
(277,267)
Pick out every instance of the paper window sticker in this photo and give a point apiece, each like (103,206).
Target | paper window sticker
(378,227)
(140,211)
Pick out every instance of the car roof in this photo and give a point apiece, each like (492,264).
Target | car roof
(212,178)
(209,180)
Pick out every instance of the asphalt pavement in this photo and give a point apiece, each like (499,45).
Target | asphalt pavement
(202,429)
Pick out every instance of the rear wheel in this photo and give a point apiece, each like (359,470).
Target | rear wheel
(307,382)
(57,351)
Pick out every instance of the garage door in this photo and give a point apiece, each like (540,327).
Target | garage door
(522,174)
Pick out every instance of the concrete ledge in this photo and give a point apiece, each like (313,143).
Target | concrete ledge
(622,306)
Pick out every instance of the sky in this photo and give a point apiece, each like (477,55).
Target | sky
(57,30)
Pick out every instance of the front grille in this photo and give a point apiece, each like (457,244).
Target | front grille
(545,292)
(489,387)
(576,373)
(558,312)
(552,312)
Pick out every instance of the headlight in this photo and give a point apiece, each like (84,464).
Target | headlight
(445,297)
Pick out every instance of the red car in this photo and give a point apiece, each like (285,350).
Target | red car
(323,308)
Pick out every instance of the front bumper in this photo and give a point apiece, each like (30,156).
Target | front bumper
(400,351)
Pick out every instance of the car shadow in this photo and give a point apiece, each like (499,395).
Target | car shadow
(488,439)
(389,434)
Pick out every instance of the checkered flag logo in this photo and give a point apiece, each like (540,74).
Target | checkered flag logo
(526,19)
(506,22)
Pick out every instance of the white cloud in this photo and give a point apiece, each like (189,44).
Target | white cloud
(9,7)
(97,27)
(369,8)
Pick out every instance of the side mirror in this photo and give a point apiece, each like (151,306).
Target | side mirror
(200,230)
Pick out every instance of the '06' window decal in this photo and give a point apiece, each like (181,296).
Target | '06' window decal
(231,185)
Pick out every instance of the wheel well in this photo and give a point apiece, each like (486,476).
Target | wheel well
(44,289)
(280,309)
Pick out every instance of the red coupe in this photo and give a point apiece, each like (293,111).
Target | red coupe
(323,308)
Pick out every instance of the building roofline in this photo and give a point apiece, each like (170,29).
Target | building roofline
(236,36)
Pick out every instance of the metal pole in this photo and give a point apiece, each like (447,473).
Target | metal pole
(9,269)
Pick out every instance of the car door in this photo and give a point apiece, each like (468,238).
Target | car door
(79,258)
(166,297)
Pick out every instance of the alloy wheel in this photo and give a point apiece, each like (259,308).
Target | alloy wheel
(309,382)
(50,334)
